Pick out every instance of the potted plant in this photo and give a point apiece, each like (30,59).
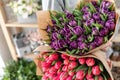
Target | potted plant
(25,10)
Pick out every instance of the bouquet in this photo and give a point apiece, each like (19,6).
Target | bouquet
(83,30)
(59,66)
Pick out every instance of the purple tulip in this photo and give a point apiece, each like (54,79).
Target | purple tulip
(81,45)
(78,30)
(110,25)
(104,10)
(96,16)
(95,31)
(101,22)
(55,35)
(53,21)
(104,31)
(92,45)
(54,45)
(61,44)
(84,9)
(105,4)
(65,30)
(89,22)
(98,40)
(111,15)
(49,29)
(86,16)
(94,3)
(81,38)
(73,44)
(73,23)
(68,14)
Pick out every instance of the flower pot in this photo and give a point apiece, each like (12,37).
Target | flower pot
(30,19)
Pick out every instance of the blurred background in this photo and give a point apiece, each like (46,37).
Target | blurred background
(19,37)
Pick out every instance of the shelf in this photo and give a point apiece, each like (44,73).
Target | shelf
(16,24)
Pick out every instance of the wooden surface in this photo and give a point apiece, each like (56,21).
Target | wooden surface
(6,33)
(16,24)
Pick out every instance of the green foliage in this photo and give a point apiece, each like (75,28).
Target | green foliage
(20,70)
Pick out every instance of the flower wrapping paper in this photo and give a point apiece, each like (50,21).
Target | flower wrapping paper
(44,19)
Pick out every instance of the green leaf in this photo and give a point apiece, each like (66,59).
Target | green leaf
(68,51)
(105,78)
(59,36)
(106,38)
(99,2)
(78,51)
(87,29)
(53,63)
(82,67)
(98,26)
(90,38)
(102,17)
(101,67)
(89,70)
(73,37)
(111,7)
(96,77)
(73,51)
(92,8)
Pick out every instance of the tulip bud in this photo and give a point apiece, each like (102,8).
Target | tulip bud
(44,78)
(53,56)
(52,70)
(82,60)
(96,70)
(66,62)
(72,65)
(69,78)
(90,61)
(58,64)
(100,78)
(71,73)
(80,75)
(63,76)
(89,76)
(65,68)
(72,58)
(64,56)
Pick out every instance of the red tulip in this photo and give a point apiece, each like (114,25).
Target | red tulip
(66,62)
(44,78)
(52,70)
(72,65)
(63,76)
(44,69)
(64,56)
(45,56)
(100,78)
(58,64)
(71,73)
(80,75)
(90,62)
(69,78)
(45,64)
(53,56)
(82,60)
(56,78)
(96,70)
(89,76)
(65,68)
(51,76)
(48,60)
(59,72)
(72,58)
(109,79)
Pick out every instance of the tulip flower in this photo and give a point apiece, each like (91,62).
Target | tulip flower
(72,65)
(110,25)
(111,15)
(81,45)
(58,64)
(78,30)
(72,23)
(80,75)
(82,60)
(90,62)
(89,22)
(96,70)
(103,32)
(86,16)
(96,16)
(73,44)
